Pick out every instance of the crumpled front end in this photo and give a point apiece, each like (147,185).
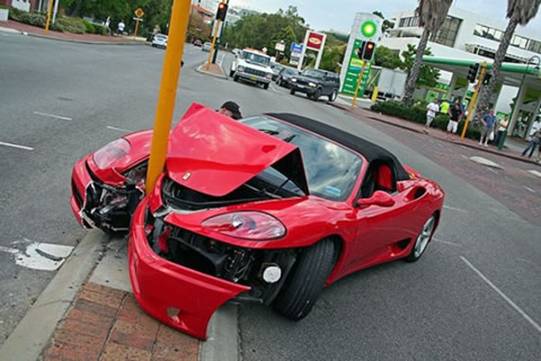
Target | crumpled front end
(180,297)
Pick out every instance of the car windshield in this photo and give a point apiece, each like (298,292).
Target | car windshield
(331,170)
(255,58)
(312,73)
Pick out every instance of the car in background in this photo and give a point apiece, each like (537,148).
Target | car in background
(285,75)
(206,46)
(276,69)
(236,52)
(316,83)
(252,66)
(197,42)
(159,41)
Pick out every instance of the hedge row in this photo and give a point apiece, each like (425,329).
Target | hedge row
(417,114)
(63,23)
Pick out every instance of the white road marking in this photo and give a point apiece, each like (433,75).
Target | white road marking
(118,129)
(53,116)
(455,209)
(447,242)
(40,256)
(16,146)
(503,295)
(485,162)
(492,170)
(535,172)
(530,189)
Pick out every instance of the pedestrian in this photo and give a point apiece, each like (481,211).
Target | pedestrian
(533,138)
(487,134)
(120,27)
(444,107)
(432,109)
(230,109)
(456,112)
(503,124)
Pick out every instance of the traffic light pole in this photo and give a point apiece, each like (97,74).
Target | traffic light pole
(358,85)
(473,101)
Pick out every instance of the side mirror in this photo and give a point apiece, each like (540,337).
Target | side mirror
(379,198)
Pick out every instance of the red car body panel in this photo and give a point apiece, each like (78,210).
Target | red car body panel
(214,154)
(178,296)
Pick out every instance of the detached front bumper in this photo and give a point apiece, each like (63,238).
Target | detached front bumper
(253,78)
(178,296)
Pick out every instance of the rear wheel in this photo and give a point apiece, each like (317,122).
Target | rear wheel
(266,86)
(306,281)
(231,73)
(423,239)
(236,78)
(332,96)
(292,92)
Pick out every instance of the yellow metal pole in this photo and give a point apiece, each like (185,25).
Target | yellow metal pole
(357,86)
(214,37)
(178,24)
(136,28)
(375,94)
(473,100)
(49,12)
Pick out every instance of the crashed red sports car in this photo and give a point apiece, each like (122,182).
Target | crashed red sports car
(269,209)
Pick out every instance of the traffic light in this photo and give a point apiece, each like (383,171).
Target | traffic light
(360,49)
(472,72)
(222,11)
(369,48)
(486,79)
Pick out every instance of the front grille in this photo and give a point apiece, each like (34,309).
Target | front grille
(303,82)
(76,194)
(260,73)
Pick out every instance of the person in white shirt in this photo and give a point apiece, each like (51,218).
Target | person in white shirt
(431,110)
(534,138)
(120,27)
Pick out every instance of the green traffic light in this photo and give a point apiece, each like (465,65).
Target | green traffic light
(369,28)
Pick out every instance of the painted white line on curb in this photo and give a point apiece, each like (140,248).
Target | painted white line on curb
(16,146)
(503,295)
(535,173)
(530,189)
(40,256)
(119,129)
(53,116)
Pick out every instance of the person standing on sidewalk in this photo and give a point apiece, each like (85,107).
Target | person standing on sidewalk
(503,124)
(533,139)
(456,112)
(120,27)
(488,121)
(431,110)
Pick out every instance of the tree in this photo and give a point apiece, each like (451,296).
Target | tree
(428,75)
(518,12)
(387,24)
(331,57)
(387,58)
(431,14)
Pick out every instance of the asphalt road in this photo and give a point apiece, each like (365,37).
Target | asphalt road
(475,295)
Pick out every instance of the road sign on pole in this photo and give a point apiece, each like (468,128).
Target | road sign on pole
(178,25)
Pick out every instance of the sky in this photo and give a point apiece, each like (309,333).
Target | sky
(338,14)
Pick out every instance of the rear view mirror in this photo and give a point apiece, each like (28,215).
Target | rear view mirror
(379,198)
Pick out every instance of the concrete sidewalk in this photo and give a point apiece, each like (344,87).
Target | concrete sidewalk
(16,27)
(512,152)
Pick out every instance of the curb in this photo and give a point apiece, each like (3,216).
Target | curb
(35,329)
(85,41)
(199,69)
(9,30)
(223,336)
(457,142)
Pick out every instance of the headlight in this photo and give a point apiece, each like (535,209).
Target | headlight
(240,68)
(255,226)
(294,80)
(112,152)
(313,85)
(269,76)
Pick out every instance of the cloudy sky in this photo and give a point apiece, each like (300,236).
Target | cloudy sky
(338,14)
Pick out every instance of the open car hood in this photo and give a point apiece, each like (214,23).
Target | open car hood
(214,154)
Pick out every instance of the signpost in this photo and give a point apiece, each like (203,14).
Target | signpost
(312,41)
(366,28)
(296,51)
(139,13)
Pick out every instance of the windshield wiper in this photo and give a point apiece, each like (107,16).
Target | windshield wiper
(269,131)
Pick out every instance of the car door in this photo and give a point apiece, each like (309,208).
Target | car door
(383,232)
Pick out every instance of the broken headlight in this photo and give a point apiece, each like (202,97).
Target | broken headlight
(106,156)
(257,226)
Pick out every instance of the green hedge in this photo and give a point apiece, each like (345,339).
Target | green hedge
(63,23)
(417,114)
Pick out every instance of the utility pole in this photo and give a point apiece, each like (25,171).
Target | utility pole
(220,18)
(359,81)
(178,25)
(473,100)
(49,11)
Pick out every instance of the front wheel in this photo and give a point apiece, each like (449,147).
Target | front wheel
(231,73)
(266,86)
(236,78)
(316,95)
(422,240)
(306,281)
(292,92)
(332,96)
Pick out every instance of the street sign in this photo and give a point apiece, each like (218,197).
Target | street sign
(280,46)
(315,40)
(296,48)
(137,19)
(139,12)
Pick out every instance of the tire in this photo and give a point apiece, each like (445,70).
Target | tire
(306,281)
(236,78)
(231,73)
(316,95)
(279,82)
(422,240)
(292,91)
(266,86)
(332,96)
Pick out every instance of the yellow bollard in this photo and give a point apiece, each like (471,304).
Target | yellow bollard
(178,25)
(49,12)
(375,93)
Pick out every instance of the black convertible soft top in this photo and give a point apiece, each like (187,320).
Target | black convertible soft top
(369,150)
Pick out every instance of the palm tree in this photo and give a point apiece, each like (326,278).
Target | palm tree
(518,12)
(432,14)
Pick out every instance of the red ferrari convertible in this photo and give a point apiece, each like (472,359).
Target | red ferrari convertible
(269,209)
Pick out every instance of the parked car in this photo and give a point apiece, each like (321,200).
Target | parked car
(252,66)
(159,41)
(316,83)
(276,68)
(236,52)
(206,46)
(197,42)
(273,209)
(285,75)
